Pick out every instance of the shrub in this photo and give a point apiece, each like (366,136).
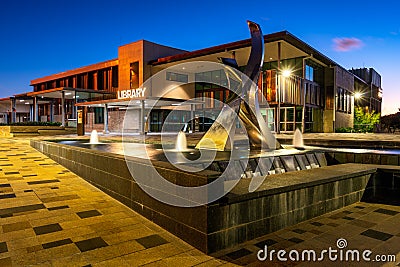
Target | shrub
(32,123)
(344,130)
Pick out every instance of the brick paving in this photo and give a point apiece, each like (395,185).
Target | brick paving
(52,217)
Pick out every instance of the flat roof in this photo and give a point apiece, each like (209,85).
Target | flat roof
(96,66)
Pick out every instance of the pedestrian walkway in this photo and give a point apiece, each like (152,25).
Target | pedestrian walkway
(52,217)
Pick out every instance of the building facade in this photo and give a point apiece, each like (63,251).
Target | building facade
(368,85)
(302,89)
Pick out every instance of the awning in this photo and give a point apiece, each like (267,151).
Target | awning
(148,101)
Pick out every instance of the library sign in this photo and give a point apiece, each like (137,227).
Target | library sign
(132,93)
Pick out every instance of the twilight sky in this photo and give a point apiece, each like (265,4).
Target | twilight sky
(43,37)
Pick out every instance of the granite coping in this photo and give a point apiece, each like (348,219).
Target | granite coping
(289,181)
(208,174)
(386,144)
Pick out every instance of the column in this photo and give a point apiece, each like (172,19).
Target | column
(204,115)
(31,113)
(303,115)
(35,109)
(52,110)
(192,118)
(13,110)
(62,108)
(142,118)
(278,73)
(106,119)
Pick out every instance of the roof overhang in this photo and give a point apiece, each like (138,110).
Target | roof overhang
(69,93)
(284,37)
(137,102)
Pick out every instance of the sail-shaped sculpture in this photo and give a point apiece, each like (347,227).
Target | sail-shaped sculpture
(244,104)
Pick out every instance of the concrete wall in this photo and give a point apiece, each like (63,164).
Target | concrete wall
(344,120)
(141,51)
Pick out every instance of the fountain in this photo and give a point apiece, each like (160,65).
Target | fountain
(298,139)
(291,195)
(181,143)
(94,138)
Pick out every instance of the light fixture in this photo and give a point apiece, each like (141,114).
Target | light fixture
(22,100)
(69,93)
(357,95)
(286,73)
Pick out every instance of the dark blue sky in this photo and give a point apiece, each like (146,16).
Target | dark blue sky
(40,37)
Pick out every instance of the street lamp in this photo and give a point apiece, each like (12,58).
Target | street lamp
(357,95)
(286,73)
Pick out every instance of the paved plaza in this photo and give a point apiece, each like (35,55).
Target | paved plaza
(51,217)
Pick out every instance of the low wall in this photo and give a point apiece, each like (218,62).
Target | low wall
(364,158)
(18,130)
(345,143)
(282,200)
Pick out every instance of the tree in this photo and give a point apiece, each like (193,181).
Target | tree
(391,120)
(365,121)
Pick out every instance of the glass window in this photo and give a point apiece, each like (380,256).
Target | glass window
(177,77)
(98,115)
(309,73)
(290,114)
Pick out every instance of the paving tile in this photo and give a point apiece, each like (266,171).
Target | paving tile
(120,228)
(45,229)
(34,248)
(359,207)
(267,242)
(16,226)
(387,212)
(6,262)
(317,223)
(43,181)
(22,209)
(3,247)
(57,243)
(59,198)
(4,196)
(88,214)
(299,231)
(333,224)
(11,173)
(377,234)
(90,244)
(151,241)
(362,223)
(59,207)
(314,231)
(234,255)
(295,240)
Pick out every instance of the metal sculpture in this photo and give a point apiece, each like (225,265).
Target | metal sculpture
(243,103)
